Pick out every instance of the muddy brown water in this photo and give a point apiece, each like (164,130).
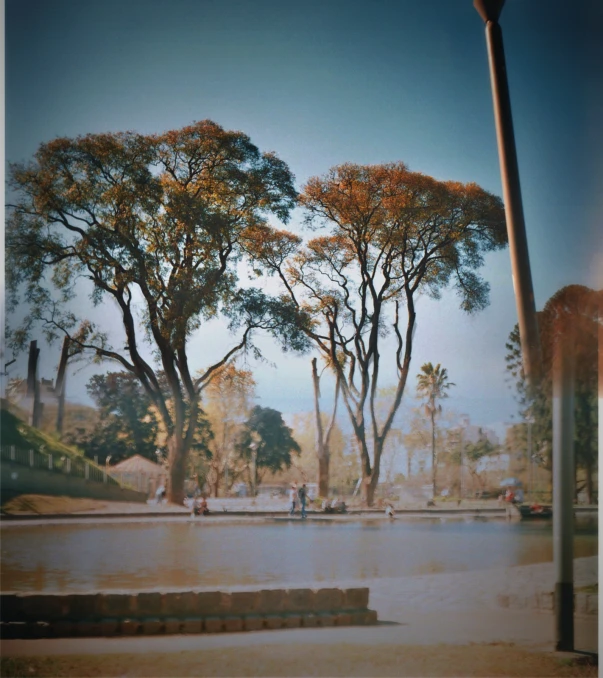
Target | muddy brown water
(146,555)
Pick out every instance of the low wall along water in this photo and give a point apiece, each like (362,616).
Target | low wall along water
(148,613)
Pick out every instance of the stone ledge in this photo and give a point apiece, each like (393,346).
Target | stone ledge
(91,607)
(169,625)
(584,603)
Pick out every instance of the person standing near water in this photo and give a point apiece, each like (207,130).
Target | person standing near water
(302,499)
(292,499)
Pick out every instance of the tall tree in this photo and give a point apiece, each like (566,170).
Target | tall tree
(579,308)
(393,235)
(266,443)
(323,438)
(432,385)
(227,404)
(474,454)
(158,225)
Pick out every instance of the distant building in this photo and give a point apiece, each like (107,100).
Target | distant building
(140,473)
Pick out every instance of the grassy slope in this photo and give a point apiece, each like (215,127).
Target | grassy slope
(16,432)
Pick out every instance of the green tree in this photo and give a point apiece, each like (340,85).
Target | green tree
(576,307)
(473,456)
(127,423)
(267,439)
(432,386)
(393,235)
(158,225)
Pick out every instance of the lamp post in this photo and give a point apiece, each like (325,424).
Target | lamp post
(490,10)
(563,448)
(529,422)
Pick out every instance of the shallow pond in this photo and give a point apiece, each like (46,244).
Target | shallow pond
(145,555)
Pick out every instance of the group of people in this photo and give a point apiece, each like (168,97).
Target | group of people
(335,506)
(197,503)
(299,496)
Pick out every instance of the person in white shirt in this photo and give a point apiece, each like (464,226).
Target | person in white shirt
(292,499)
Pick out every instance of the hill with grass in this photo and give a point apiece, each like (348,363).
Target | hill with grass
(14,432)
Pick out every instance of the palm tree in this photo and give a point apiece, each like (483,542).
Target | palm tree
(432,386)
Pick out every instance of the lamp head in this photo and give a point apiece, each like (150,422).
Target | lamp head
(489,10)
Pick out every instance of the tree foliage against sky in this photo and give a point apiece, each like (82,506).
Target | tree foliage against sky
(157,224)
(473,456)
(392,235)
(273,440)
(578,309)
(127,423)
(227,402)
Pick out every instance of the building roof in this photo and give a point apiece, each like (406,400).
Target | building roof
(138,464)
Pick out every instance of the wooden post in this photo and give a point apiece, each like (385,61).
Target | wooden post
(33,384)
(60,385)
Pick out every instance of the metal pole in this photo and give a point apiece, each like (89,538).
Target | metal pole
(489,10)
(255,466)
(530,467)
(563,490)
(461,489)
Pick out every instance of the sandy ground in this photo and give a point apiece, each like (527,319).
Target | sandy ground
(429,644)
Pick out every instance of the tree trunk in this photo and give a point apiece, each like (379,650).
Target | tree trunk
(323,476)
(60,386)
(177,459)
(371,479)
(321,448)
(217,484)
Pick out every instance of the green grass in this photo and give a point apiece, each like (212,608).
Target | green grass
(16,432)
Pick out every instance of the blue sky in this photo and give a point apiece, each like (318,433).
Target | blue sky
(326,82)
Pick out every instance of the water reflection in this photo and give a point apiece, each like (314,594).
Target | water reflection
(146,555)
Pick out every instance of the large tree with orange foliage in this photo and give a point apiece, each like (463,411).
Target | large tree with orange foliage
(155,223)
(392,235)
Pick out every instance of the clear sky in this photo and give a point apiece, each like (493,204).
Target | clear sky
(325,82)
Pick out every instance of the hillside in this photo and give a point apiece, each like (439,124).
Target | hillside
(14,431)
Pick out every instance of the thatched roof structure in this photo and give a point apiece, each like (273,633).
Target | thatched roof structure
(138,465)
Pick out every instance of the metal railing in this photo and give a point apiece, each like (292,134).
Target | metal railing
(79,467)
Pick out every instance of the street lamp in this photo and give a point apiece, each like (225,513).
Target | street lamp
(490,10)
(563,451)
